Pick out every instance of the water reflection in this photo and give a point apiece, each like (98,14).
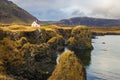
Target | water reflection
(105,58)
(84,56)
(102,63)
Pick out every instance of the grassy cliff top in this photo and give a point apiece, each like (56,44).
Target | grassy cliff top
(69,68)
(105,30)
(23,28)
(18,28)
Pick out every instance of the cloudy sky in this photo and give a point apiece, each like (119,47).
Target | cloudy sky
(62,9)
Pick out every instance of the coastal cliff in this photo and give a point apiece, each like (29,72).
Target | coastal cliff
(68,68)
(80,38)
(29,53)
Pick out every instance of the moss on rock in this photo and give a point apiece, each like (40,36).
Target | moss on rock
(69,68)
(57,43)
(10,56)
(30,53)
(39,63)
(80,38)
(24,60)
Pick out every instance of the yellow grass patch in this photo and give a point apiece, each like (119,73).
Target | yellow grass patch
(18,28)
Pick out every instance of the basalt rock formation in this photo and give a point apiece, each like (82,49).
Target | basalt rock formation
(29,53)
(80,38)
(24,60)
(56,43)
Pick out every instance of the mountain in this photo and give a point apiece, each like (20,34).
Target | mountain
(88,22)
(10,13)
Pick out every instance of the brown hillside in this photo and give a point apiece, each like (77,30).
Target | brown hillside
(10,13)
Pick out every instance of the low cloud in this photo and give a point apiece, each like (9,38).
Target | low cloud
(61,9)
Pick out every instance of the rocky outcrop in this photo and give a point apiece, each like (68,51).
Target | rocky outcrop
(10,57)
(56,43)
(34,35)
(65,32)
(39,62)
(1,34)
(84,56)
(26,61)
(69,68)
(80,38)
(29,53)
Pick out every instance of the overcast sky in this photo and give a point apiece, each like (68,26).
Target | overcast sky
(62,9)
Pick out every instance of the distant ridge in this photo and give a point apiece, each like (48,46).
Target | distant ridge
(88,22)
(10,13)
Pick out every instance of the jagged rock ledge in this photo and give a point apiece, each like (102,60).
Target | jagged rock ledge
(29,53)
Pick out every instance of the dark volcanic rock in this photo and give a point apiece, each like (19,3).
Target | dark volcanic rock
(28,61)
(39,62)
(66,33)
(1,34)
(36,37)
(57,43)
(29,53)
(80,38)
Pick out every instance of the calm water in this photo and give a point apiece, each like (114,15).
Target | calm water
(104,61)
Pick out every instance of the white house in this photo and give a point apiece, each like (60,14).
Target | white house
(35,24)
